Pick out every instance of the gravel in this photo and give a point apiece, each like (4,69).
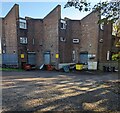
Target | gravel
(57,91)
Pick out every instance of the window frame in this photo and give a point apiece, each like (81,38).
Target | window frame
(33,41)
(64,24)
(23,40)
(62,39)
(76,40)
(22,24)
(102,26)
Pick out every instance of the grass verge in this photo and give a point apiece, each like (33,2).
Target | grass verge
(10,69)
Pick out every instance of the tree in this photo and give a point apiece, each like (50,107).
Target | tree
(116,28)
(116,32)
(109,11)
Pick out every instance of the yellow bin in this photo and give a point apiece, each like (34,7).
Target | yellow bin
(79,66)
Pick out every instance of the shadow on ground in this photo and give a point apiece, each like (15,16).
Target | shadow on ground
(45,91)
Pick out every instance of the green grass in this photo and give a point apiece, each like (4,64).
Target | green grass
(10,69)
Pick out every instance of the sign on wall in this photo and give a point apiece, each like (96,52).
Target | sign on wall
(57,56)
(22,56)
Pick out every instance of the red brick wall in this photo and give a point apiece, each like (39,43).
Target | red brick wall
(65,48)
(87,31)
(10,27)
(90,34)
(35,31)
(107,42)
(76,34)
(51,32)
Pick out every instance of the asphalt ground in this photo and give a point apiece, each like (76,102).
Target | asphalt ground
(42,91)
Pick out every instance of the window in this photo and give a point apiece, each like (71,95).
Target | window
(33,41)
(62,39)
(108,55)
(102,26)
(4,44)
(4,51)
(73,55)
(101,40)
(91,56)
(22,24)
(76,41)
(23,40)
(63,24)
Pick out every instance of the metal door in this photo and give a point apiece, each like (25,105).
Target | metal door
(47,58)
(84,58)
(10,59)
(31,58)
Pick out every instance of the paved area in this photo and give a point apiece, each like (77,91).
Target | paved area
(37,91)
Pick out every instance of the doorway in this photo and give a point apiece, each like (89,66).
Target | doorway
(84,57)
(47,58)
(31,58)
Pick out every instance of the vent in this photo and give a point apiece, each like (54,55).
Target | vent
(76,41)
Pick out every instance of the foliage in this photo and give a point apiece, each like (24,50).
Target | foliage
(118,43)
(110,11)
(116,57)
(81,6)
(116,28)
(10,69)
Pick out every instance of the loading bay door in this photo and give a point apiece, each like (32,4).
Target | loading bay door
(31,58)
(84,58)
(47,58)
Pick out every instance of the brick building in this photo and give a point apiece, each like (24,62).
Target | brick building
(53,40)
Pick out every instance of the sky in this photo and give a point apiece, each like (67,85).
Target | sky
(39,8)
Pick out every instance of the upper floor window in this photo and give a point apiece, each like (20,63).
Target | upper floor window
(63,24)
(23,40)
(33,41)
(76,41)
(62,39)
(102,26)
(22,24)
